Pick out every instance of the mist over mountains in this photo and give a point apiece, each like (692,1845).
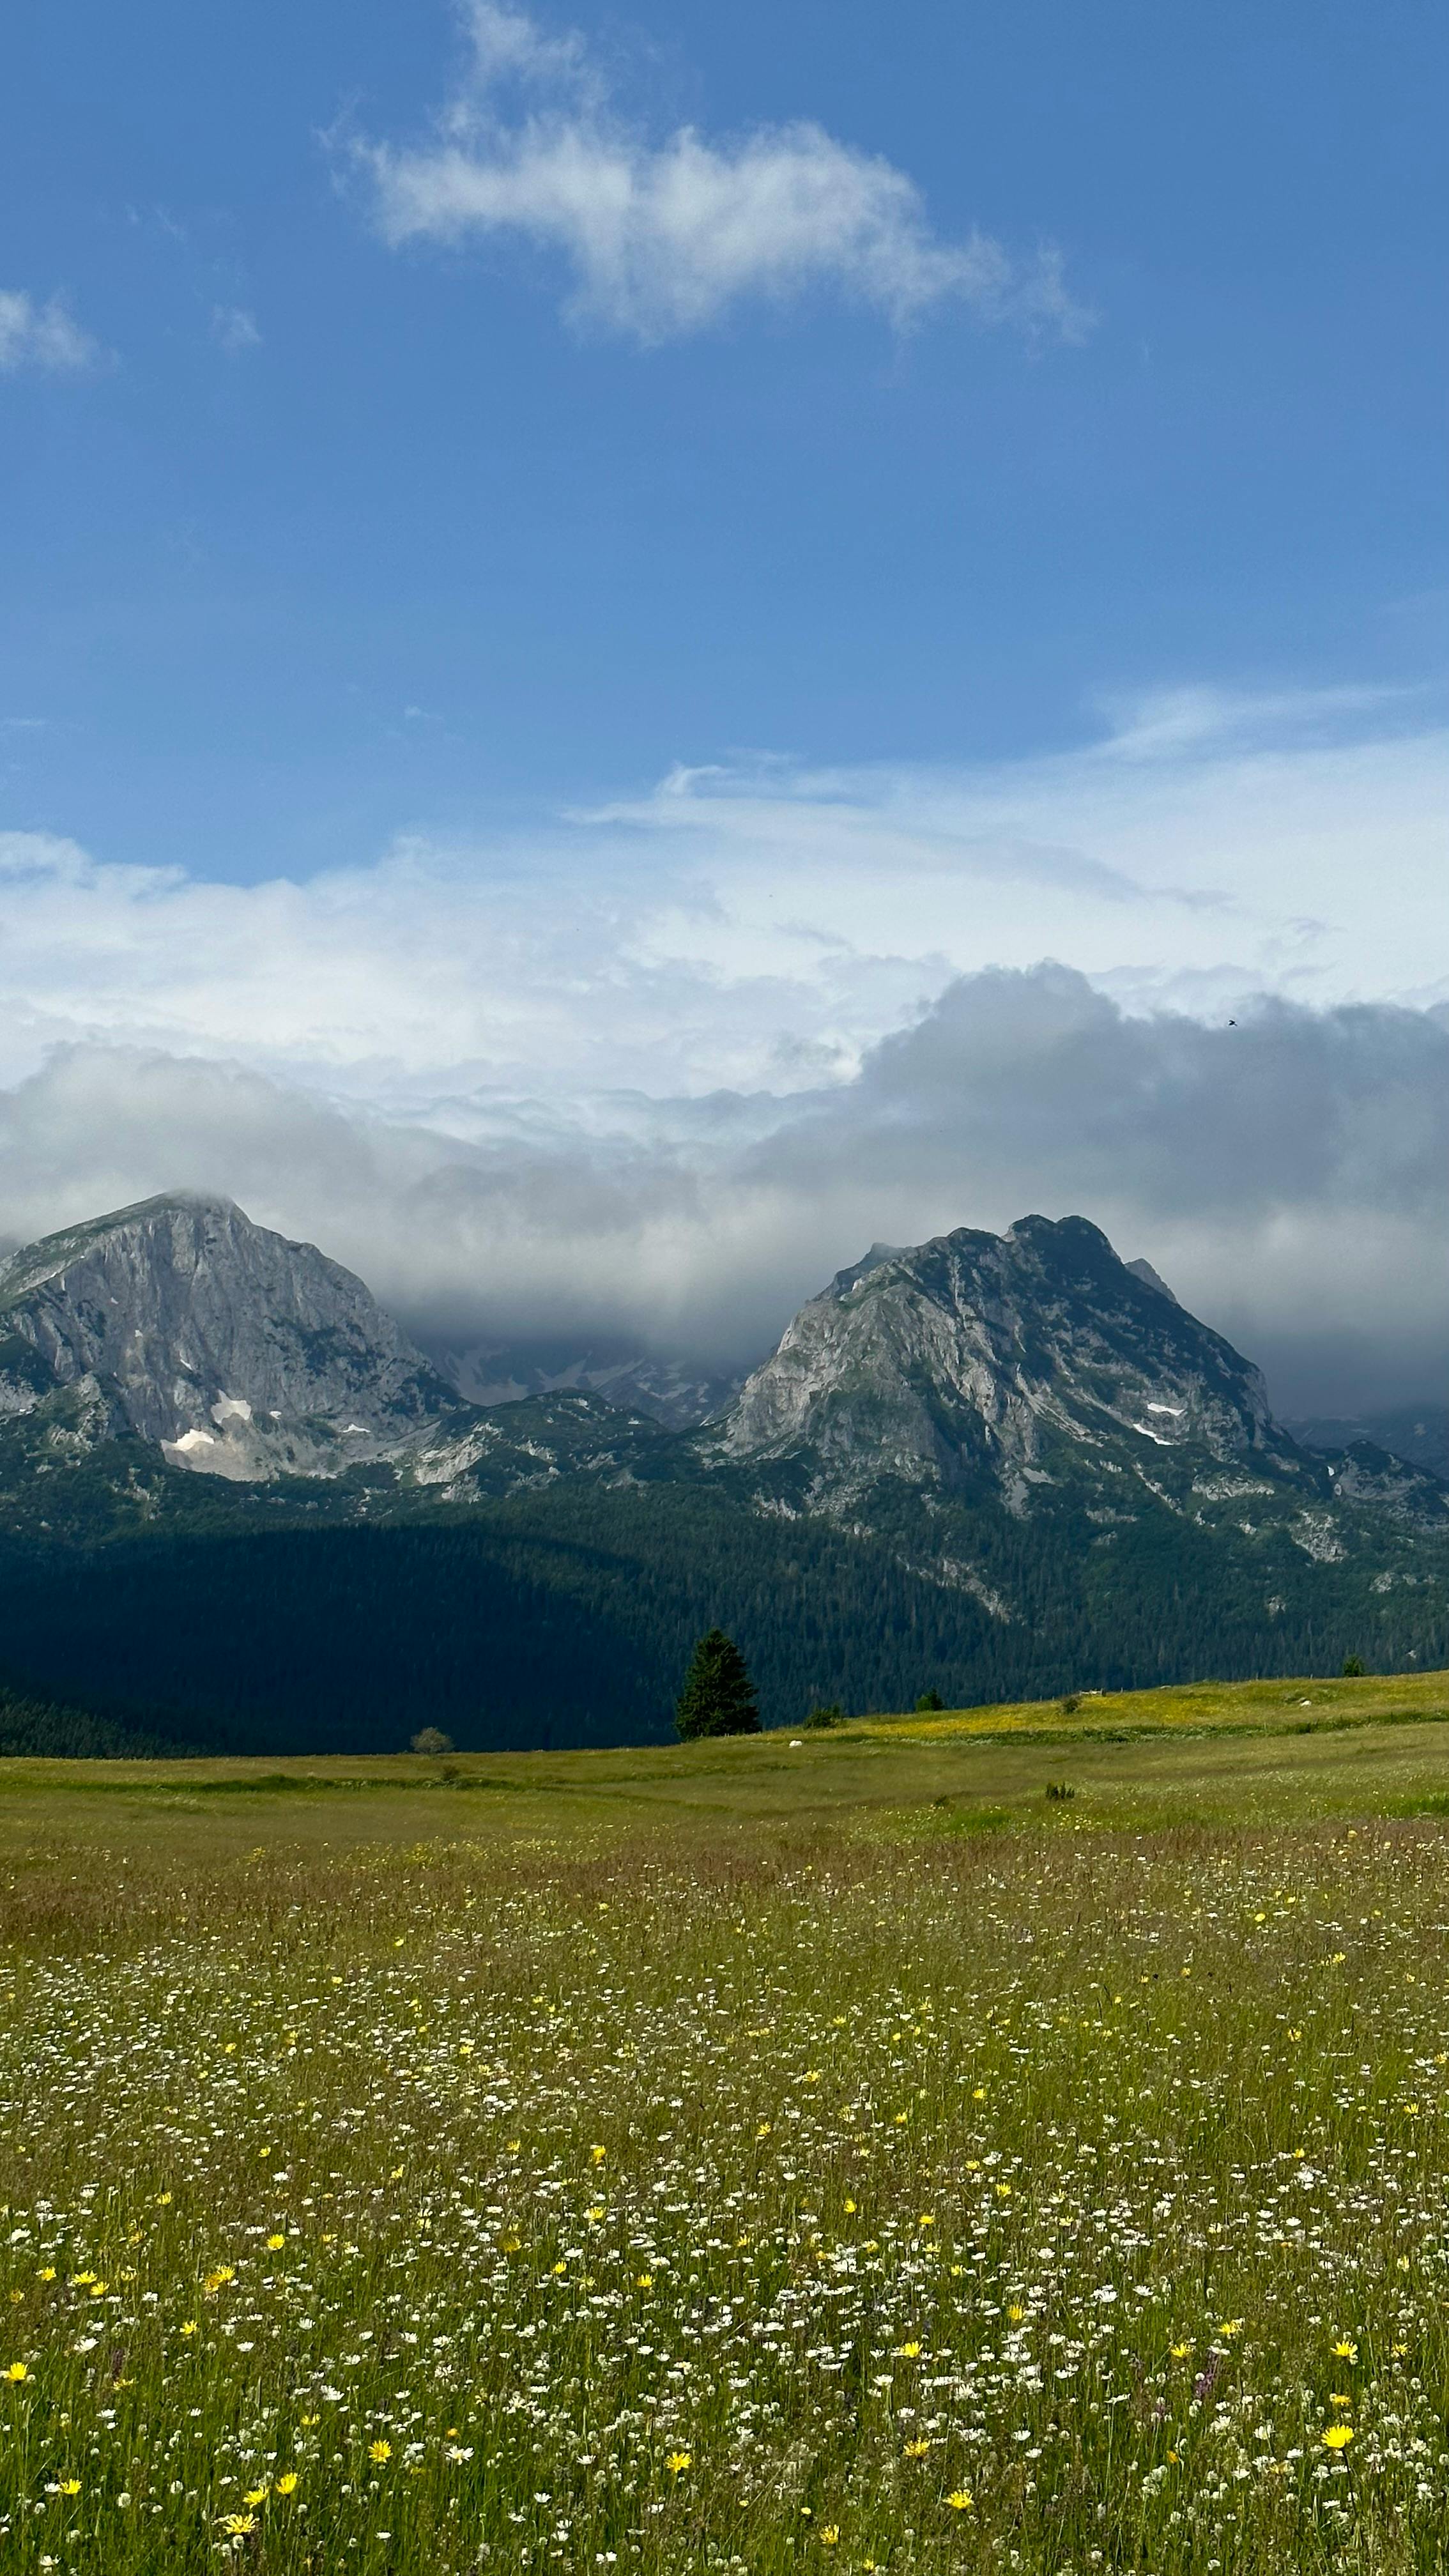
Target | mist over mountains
(1285,1173)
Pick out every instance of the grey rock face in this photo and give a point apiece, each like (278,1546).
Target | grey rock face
(235,1350)
(999,1363)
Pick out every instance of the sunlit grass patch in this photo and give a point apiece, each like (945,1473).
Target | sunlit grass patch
(766,2195)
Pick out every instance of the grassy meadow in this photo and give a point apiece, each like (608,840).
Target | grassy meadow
(819,2155)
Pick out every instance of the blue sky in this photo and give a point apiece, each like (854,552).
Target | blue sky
(574,582)
(236,562)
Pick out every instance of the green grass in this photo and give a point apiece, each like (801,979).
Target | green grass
(771,2156)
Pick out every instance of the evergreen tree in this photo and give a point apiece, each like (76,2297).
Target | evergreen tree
(718,1697)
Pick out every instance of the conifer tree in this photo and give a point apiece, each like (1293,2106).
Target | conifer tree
(718,1697)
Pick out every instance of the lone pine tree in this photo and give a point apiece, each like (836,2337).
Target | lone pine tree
(718,1697)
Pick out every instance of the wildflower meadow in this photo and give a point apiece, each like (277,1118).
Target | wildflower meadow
(758,2192)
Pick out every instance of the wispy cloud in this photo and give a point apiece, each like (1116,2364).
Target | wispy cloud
(663,238)
(43,336)
(234,329)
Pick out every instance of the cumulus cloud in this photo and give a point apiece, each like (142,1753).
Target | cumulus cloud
(43,336)
(662,238)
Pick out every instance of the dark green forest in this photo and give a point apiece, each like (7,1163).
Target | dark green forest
(568,1618)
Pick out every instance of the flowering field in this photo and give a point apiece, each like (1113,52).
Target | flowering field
(768,2197)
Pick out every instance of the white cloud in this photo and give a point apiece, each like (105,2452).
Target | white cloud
(663,238)
(40,335)
(659,1067)
(749,927)
(1285,1175)
(234,329)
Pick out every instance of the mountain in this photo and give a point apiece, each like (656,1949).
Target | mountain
(238,1507)
(1418,1432)
(679,1393)
(937,1399)
(1000,1366)
(154,1355)
(227,1346)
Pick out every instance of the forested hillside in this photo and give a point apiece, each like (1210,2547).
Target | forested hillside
(567,1618)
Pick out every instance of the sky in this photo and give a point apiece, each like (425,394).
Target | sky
(636,649)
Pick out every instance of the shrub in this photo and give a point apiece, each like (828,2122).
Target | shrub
(825,1713)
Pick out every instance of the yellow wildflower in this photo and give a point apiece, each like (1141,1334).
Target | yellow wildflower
(70,2486)
(1337,2437)
(1344,2350)
(275,2244)
(255,2495)
(18,2370)
(287,2485)
(678,2462)
(379,2451)
(960,2501)
(917,2450)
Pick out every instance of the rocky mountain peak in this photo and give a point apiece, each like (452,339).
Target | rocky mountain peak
(233,1348)
(999,1363)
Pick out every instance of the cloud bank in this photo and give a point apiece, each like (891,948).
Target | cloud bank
(1285,1173)
(665,238)
(652,1071)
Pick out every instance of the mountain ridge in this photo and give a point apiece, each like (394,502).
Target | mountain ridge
(1001,1465)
